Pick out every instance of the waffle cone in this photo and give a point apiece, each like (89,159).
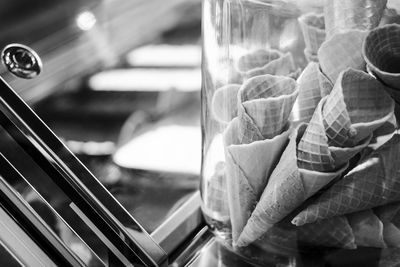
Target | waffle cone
(381,51)
(345,15)
(313,150)
(331,139)
(313,29)
(334,232)
(287,188)
(367,229)
(257,159)
(257,59)
(265,104)
(224,103)
(309,92)
(241,196)
(340,52)
(375,181)
(282,66)
(248,167)
(357,105)
(262,62)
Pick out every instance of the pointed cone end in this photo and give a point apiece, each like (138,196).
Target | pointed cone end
(251,233)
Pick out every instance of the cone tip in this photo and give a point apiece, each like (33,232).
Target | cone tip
(251,233)
(245,238)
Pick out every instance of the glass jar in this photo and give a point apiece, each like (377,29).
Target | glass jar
(301,158)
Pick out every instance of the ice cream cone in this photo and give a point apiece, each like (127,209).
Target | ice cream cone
(357,105)
(313,27)
(381,51)
(325,84)
(241,196)
(248,169)
(257,59)
(340,52)
(334,232)
(309,92)
(263,62)
(282,66)
(375,181)
(265,103)
(224,103)
(344,121)
(367,229)
(313,150)
(345,15)
(287,188)
(257,158)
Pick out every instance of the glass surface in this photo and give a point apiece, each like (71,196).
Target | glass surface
(300,142)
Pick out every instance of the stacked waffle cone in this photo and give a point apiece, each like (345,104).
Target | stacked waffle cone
(341,127)
(254,140)
(266,61)
(332,178)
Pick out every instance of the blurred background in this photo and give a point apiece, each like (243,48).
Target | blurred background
(120,86)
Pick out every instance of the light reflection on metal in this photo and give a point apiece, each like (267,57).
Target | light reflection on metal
(21,60)
(86,20)
(75,180)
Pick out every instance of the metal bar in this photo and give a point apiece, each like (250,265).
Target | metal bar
(74,178)
(16,241)
(30,221)
(194,248)
(107,242)
(180,225)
